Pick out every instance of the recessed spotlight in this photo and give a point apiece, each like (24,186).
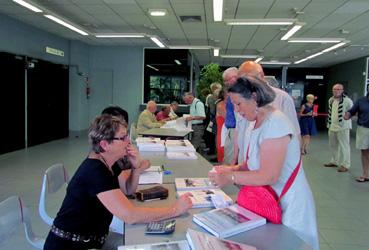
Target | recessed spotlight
(157,12)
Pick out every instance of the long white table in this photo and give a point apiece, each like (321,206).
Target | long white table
(165,133)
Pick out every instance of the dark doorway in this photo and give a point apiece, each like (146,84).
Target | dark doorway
(48,101)
(12,102)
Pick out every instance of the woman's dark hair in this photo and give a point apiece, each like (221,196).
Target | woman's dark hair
(116,111)
(247,86)
(104,127)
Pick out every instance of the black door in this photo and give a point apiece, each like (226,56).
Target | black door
(12,102)
(48,101)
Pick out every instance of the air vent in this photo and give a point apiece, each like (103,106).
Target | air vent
(190,19)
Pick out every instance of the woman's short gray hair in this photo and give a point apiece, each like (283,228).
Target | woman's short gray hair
(104,127)
(246,86)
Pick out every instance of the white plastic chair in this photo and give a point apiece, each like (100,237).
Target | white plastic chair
(12,214)
(55,178)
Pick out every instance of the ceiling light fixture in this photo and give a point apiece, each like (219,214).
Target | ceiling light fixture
(120,35)
(218,10)
(157,12)
(322,52)
(292,31)
(157,41)
(152,67)
(28,6)
(65,24)
(216,51)
(315,40)
(191,47)
(239,56)
(274,63)
(260,21)
(177,62)
(258,59)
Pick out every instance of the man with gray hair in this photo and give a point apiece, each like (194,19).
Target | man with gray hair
(230,77)
(147,119)
(197,115)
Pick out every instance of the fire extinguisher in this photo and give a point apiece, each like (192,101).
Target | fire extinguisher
(88,89)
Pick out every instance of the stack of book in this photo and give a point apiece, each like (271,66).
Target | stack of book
(195,241)
(179,146)
(182,155)
(225,222)
(150,144)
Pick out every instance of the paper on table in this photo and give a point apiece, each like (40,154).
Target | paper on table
(152,175)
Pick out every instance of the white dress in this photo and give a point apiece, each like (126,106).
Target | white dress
(297,204)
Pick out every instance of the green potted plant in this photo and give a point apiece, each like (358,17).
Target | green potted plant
(209,73)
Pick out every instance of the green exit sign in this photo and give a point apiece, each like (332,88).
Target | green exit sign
(53,51)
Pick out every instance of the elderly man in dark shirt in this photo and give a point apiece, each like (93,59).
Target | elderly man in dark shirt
(361,109)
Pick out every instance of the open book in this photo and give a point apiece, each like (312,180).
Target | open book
(203,241)
(186,184)
(202,198)
(182,155)
(225,222)
(172,245)
(152,175)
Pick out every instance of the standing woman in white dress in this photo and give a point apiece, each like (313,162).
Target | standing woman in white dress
(273,154)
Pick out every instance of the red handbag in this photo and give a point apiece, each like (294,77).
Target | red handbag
(263,200)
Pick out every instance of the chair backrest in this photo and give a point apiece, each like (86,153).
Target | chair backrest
(54,179)
(12,214)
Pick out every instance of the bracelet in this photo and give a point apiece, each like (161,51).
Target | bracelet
(233,178)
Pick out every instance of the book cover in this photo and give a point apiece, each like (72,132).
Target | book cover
(179,146)
(202,198)
(186,184)
(172,245)
(203,241)
(182,155)
(225,222)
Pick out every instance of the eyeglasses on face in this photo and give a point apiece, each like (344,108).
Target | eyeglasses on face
(123,138)
(337,89)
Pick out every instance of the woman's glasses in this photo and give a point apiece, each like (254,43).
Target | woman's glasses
(123,138)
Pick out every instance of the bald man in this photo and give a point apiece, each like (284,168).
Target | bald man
(282,101)
(147,119)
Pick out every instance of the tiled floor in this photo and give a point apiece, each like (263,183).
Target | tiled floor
(342,203)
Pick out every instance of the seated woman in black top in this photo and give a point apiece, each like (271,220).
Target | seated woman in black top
(94,194)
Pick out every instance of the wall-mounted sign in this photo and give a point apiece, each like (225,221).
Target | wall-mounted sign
(53,51)
(319,77)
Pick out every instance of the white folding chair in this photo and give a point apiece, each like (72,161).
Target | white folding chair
(55,178)
(12,214)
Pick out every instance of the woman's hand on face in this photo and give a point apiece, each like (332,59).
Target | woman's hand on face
(183,204)
(133,155)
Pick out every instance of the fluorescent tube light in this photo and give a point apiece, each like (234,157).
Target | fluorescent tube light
(260,21)
(274,63)
(315,40)
(334,47)
(292,31)
(218,10)
(321,52)
(258,59)
(178,62)
(239,56)
(69,26)
(191,47)
(216,51)
(152,67)
(120,35)
(28,6)
(157,12)
(157,41)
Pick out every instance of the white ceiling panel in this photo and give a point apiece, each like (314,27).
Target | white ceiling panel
(322,18)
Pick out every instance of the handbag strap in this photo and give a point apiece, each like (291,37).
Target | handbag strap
(290,179)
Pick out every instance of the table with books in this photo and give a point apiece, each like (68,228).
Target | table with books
(165,133)
(228,220)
